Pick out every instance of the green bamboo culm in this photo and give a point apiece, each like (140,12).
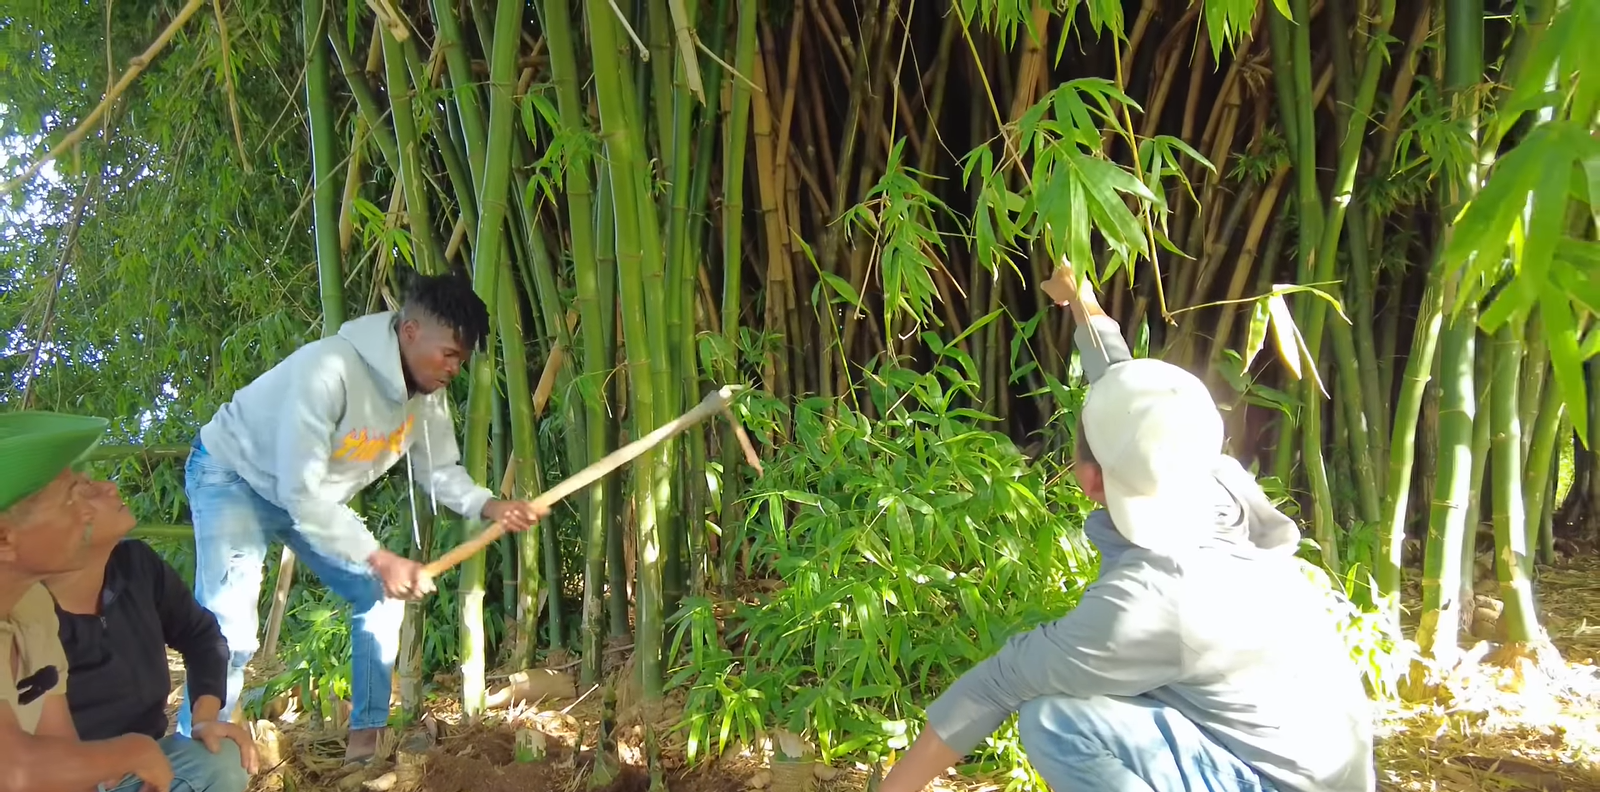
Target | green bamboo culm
(366,102)
(489,259)
(475,458)
(618,625)
(596,358)
(325,188)
(325,225)
(1536,479)
(1447,524)
(677,137)
(463,85)
(1463,67)
(655,547)
(1351,375)
(426,255)
(628,179)
(549,299)
(1483,375)
(702,568)
(1518,622)
(525,471)
(732,268)
(1297,41)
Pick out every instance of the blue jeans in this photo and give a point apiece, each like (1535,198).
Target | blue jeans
(195,769)
(1112,744)
(233,525)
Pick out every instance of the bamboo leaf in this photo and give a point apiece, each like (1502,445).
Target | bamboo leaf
(1177,143)
(1511,302)
(1284,333)
(1591,345)
(1292,288)
(1540,61)
(1256,337)
(976,326)
(1544,230)
(1484,228)
(842,287)
(1566,360)
(1591,169)
(1580,283)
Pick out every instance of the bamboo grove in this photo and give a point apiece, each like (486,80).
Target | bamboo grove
(814,197)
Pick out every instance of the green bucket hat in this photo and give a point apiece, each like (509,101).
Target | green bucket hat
(35,446)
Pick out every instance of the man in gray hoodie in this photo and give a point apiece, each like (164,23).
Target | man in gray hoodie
(1204,657)
(281,461)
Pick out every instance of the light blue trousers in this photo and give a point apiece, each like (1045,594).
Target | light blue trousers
(195,769)
(1111,744)
(233,525)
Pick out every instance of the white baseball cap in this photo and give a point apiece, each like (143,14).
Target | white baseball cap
(1156,435)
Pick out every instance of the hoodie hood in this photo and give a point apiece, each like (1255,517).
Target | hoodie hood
(376,338)
(1258,523)
(1242,522)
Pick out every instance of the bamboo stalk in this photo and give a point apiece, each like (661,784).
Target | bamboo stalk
(330,267)
(1518,623)
(475,458)
(425,252)
(614,390)
(1463,64)
(1297,105)
(597,357)
(733,173)
(1332,227)
(462,85)
(489,261)
(733,262)
(768,184)
(674,100)
(1537,477)
(366,103)
(1482,374)
(524,467)
(634,218)
(1447,528)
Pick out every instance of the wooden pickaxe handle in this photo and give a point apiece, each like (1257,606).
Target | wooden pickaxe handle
(710,405)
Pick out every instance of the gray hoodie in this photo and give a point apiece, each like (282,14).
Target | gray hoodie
(329,420)
(1231,633)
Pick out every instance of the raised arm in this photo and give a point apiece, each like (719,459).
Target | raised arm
(1098,336)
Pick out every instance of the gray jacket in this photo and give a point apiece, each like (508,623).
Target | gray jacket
(1231,633)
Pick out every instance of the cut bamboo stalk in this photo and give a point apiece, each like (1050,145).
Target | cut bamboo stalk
(713,402)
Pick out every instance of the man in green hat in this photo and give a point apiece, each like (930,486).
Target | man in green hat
(46,520)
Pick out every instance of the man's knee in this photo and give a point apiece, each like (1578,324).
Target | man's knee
(225,770)
(1070,724)
(382,621)
(196,769)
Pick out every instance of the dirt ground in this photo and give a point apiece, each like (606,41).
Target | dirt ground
(1535,727)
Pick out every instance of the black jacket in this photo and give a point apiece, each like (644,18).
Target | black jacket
(117,661)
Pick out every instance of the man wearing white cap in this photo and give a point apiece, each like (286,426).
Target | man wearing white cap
(1203,658)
